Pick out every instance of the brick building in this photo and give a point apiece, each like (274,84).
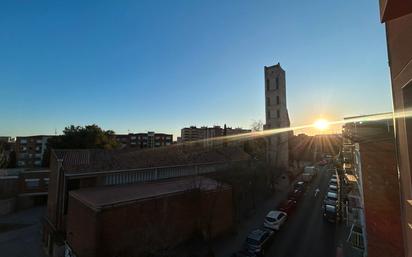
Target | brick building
(397,16)
(30,150)
(145,140)
(78,169)
(22,188)
(375,192)
(132,220)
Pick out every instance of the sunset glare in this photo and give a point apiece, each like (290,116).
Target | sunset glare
(321,124)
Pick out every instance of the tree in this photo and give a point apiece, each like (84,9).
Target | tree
(78,137)
(257,125)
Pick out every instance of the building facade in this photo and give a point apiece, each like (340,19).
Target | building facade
(276,116)
(30,150)
(145,140)
(397,16)
(194,133)
(78,169)
(22,188)
(106,221)
(369,157)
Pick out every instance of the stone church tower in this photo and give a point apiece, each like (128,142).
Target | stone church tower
(276,116)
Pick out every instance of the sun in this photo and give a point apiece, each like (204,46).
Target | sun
(321,124)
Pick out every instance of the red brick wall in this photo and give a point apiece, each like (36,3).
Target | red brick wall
(381,199)
(147,225)
(399,42)
(217,211)
(51,201)
(81,228)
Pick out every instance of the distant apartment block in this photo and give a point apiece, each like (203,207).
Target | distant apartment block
(5,139)
(30,150)
(193,133)
(145,140)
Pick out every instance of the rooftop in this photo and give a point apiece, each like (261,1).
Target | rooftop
(92,160)
(99,198)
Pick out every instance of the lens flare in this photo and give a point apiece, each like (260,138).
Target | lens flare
(321,124)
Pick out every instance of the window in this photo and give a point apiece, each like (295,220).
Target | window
(277,83)
(278,114)
(268,114)
(277,100)
(407,102)
(46,182)
(32,183)
(267,100)
(267,84)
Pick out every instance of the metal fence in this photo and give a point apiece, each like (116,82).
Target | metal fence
(151,174)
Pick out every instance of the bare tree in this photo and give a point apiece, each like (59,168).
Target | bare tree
(257,125)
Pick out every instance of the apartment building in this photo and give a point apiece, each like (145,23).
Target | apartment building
(30,150)
(194,133)
(397,16)
(145,140)
(369,164)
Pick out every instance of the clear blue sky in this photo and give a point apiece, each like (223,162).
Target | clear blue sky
(164,65)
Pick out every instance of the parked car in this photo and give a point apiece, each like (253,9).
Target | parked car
(274,219)
(333,188)
(311,170)
(258,240)
(296,194)
(332,198)
(334,181)
(301,185)
(288,206)
(331,213)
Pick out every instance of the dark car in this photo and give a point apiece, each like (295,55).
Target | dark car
(258,240)
(296,194)
(301,185)
(288,206)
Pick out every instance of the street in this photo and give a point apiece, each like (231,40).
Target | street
(305,233)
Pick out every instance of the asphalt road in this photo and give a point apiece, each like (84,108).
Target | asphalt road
(305,233)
